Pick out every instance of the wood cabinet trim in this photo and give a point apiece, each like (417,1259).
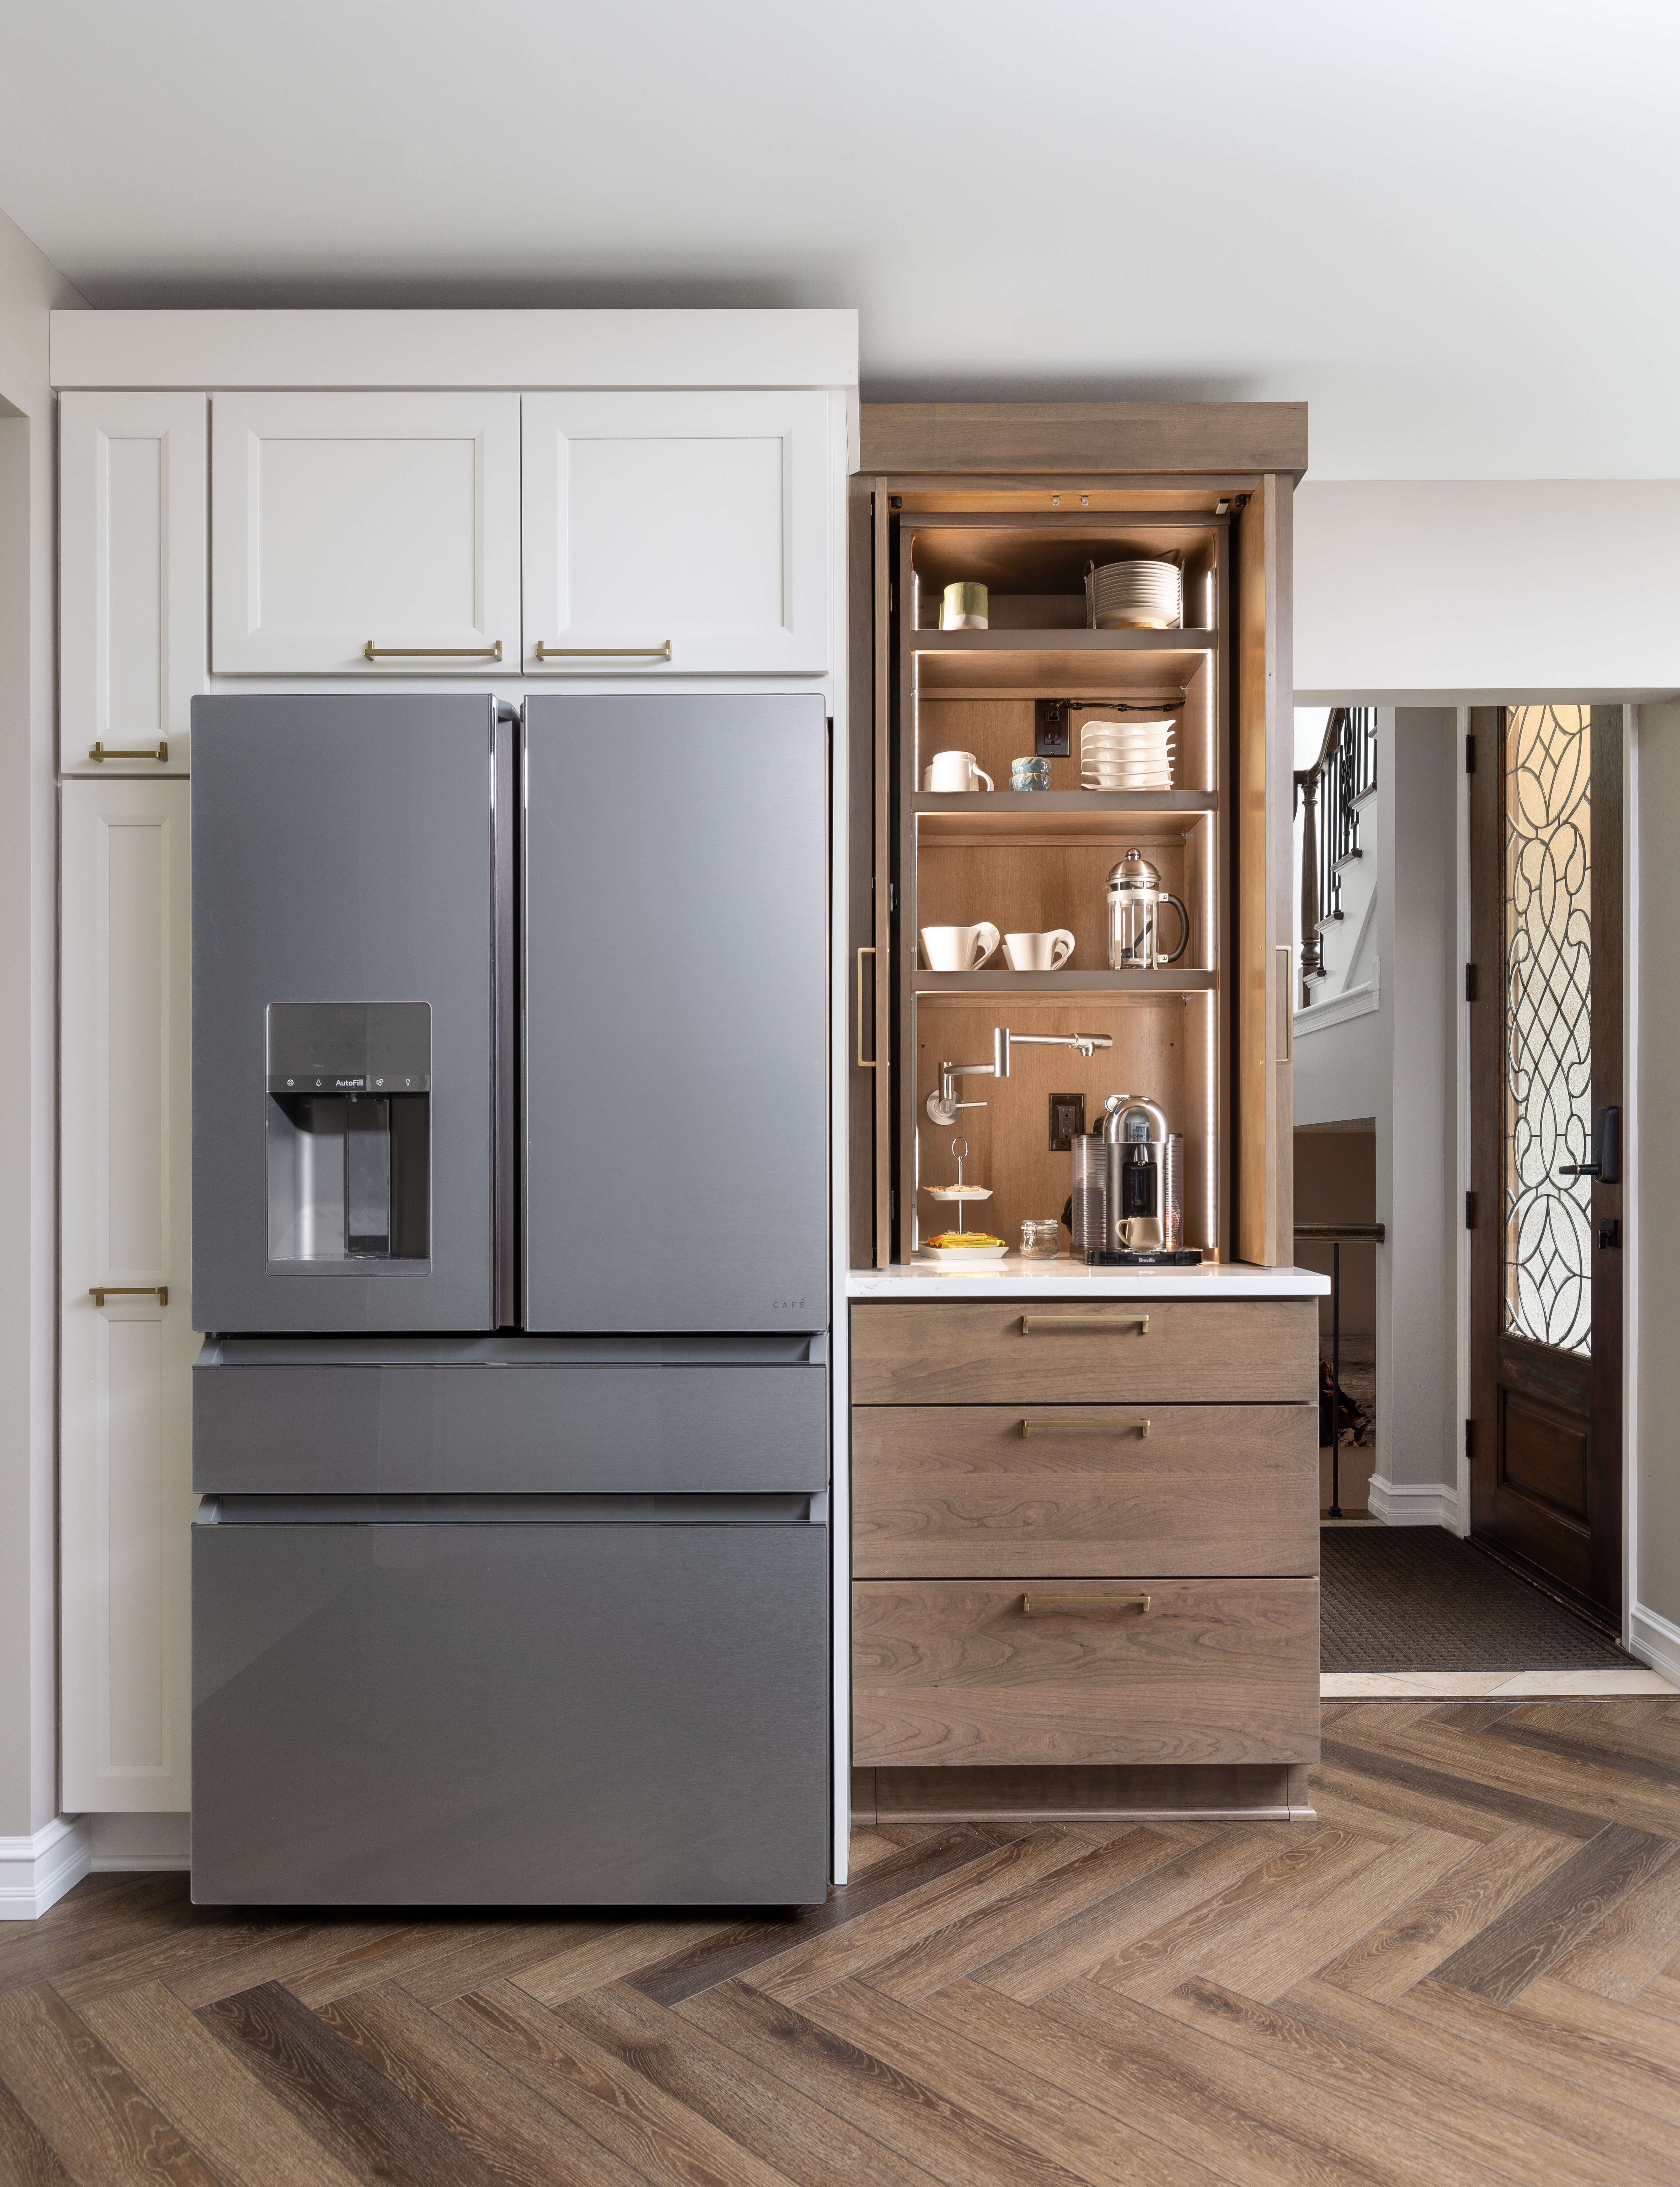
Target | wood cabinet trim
(1167,437)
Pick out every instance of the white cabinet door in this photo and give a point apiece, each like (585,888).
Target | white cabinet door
(125,1364)
(672,534)
(365,534)
(133,533)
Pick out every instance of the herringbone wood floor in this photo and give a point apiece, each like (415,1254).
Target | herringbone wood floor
(1468,1970)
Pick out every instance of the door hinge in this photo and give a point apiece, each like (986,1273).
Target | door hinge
(892,896)
(1470,1210)
(1469,1438)
(891,597)
(1469,983)
(1470,755)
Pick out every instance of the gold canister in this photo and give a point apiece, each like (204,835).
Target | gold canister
(964,608)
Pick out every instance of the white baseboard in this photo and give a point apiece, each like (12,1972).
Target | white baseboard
(140,1844)
(1404,1504)
(1654,1641)
(36,1871)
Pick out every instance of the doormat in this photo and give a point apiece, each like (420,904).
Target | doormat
(1417,1598)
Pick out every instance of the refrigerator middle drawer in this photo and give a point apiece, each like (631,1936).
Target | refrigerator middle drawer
(325,1428)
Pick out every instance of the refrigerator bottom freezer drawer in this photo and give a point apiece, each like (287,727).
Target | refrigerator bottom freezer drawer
(444,1714)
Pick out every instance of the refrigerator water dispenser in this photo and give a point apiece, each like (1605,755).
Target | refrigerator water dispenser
(349,1138)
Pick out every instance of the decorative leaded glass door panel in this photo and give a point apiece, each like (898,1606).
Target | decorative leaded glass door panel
(1545,1211)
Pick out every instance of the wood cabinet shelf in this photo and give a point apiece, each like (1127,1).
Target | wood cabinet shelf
(1062,987)
(1101,661)
(1146,815)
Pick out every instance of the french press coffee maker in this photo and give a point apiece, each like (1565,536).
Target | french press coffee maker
(1135,898)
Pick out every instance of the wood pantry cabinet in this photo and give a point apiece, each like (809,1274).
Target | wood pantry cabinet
(1036,493)
(1084,1523)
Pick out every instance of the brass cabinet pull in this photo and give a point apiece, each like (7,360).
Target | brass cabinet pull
(101,1292)
(1286,952)
(372,652)
(1053,1427)
(98,751)
(1047,1605)
(864,1062)
(1042,1321)
(604,652)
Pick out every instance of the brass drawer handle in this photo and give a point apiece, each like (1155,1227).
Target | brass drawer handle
(372,652)
(1042,1322)
(98,751)
(602,652)
(1052,1427)
(100,1292)
(1048,1605)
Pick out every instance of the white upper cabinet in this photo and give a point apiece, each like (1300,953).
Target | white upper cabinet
(134,521)
(676,534)
(126,1340)
(370,534)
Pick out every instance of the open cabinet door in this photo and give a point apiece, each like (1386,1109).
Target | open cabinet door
(1264,1186)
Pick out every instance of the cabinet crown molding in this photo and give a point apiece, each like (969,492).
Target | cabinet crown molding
(465,349)
(1202,438)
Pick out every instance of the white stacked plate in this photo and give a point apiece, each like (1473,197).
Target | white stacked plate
(1119,756)
(1135,596)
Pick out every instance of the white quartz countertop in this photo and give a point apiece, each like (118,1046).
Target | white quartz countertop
(1015,1277)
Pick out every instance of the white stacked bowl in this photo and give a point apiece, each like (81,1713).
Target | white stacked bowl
(1118,755)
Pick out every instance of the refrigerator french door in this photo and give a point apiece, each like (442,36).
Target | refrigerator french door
(510,1235)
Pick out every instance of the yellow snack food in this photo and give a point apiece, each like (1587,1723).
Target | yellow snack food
(947,1238)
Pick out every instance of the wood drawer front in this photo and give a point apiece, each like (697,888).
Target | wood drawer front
(955,1672)
(959,1492)
(974,1352)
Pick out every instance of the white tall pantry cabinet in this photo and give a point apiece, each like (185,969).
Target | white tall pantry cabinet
(342,500)
(126,1340)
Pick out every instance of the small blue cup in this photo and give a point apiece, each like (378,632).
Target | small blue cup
(1029,774)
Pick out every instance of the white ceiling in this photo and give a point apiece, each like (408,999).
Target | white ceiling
(1450,225)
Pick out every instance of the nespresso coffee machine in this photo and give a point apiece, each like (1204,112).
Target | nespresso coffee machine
(1127,1209)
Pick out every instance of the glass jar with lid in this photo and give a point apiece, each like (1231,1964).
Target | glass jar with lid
(1041,1238)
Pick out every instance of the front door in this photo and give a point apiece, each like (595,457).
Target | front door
(1546,1098)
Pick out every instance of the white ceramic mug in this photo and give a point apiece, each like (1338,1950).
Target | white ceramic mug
(954,770)
(1037,952)
(958,948)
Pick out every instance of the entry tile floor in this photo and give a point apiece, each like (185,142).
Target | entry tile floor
(1466,1970)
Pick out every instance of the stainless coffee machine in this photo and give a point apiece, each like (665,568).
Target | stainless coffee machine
(1127,1208)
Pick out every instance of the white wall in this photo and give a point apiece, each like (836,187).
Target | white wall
(1487,592)
(29,289)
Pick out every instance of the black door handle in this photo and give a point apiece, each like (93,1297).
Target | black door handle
(1606,1162)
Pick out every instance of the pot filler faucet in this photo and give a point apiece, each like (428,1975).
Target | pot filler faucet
(942,1104)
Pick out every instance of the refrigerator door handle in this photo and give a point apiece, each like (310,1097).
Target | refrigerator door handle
(506,770)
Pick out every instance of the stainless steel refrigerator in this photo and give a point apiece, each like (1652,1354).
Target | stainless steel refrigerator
(510,1235)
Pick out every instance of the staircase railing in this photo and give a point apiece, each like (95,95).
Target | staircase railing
(1330,790)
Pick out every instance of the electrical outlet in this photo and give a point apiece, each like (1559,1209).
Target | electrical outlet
(1067,1120)
(1052,727)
